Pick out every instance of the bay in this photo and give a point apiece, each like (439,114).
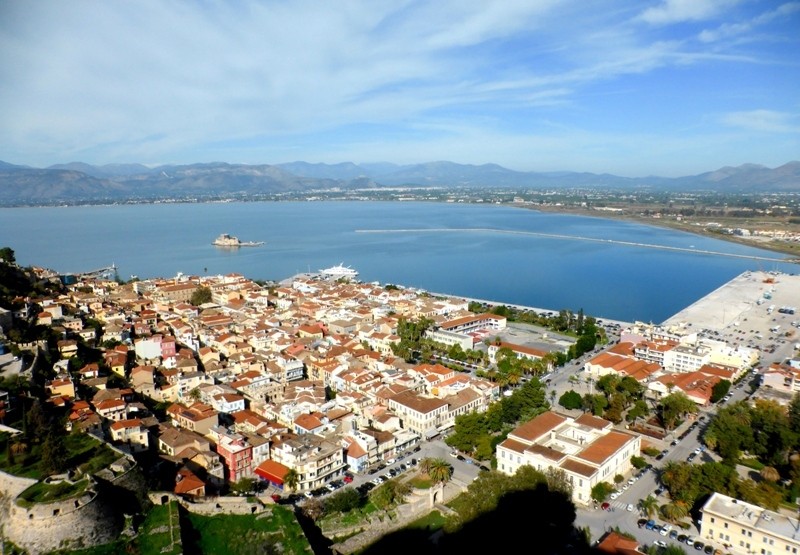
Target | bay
(500,253)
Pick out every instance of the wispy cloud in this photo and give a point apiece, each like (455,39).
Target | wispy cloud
(261,81)
(675,11)
(767,121)
(727,30)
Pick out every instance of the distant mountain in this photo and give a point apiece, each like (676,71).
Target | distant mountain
(79,182)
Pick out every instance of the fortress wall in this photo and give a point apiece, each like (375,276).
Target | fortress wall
(81,521)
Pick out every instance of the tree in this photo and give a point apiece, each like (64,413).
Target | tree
(243,486)
(794,413)
(291,479)
(638,462)
(675,511)
(440,471)
(720,390)
(54,453)
(7,255)
(601,491)
(673,406)
(201,295)
(649,506)
(571,400)
(343,501)
(770,474)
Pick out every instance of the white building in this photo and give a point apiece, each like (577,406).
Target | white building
(588,449)
(744,528)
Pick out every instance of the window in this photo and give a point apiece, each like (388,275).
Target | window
(712,520)
(725,524)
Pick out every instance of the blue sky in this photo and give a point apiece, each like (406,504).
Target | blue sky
(634,88)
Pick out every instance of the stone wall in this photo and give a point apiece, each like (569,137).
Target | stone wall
(86,520)
(212,505)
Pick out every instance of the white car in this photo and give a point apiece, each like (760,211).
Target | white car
(629,508)
(665,530)
(614,495)
(660,543)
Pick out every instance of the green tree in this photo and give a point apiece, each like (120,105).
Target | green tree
(440,471)
(291,479)
(675,511)
(571,400)
(7,255)
(343,501)
(389,493)
(720,390)
(200,296)
(243,486)
(673,406)
(731,432)
(54,453)
(649,506)
(601,491)
(794,413)
(638,462)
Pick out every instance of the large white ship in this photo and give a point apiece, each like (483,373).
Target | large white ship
(226,240)
(340,271)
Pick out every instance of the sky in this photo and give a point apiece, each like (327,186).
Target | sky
(628,87)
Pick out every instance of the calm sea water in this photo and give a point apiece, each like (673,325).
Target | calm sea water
(466,251)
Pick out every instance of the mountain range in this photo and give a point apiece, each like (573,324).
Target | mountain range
(85,183)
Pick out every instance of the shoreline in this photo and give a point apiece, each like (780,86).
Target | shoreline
(791,250)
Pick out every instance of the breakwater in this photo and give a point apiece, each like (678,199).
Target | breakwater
(578,238)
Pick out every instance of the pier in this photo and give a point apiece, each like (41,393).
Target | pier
(580,238)
(107,272)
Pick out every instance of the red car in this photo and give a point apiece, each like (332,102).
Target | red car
(275,497)
(347,479)
(605,507)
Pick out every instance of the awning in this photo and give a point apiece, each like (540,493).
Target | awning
(272,471)
(432,432)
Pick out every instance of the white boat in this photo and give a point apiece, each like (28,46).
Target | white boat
(226,240)
(340,271)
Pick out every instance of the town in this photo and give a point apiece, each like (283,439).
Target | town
(322,393)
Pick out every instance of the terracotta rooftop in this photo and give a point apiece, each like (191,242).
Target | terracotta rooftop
(602,448)
(534,429)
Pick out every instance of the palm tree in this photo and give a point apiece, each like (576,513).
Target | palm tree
(440,471)
(425,464)
(649,505)
(770,474)
(291,479)
(675,511)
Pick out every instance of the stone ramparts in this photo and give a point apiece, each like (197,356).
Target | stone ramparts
(81,521)
(211,506)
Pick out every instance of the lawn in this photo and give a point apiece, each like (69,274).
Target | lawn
(41,492)
(82,451)
(161,530)
(432,521)
(245,534)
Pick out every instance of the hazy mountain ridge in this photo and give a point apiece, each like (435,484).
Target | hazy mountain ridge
(80,182)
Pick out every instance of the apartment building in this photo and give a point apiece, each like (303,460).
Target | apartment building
(744,528)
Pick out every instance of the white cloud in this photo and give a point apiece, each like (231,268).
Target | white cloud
(160,82)
(768,121)
(727,30)
(676,11)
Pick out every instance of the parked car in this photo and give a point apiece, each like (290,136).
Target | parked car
(673,534)
(666,530)
(698,545)
(629,508)
(650,524)
(660,543)
(641,522)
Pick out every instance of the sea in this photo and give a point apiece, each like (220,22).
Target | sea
(608,268)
